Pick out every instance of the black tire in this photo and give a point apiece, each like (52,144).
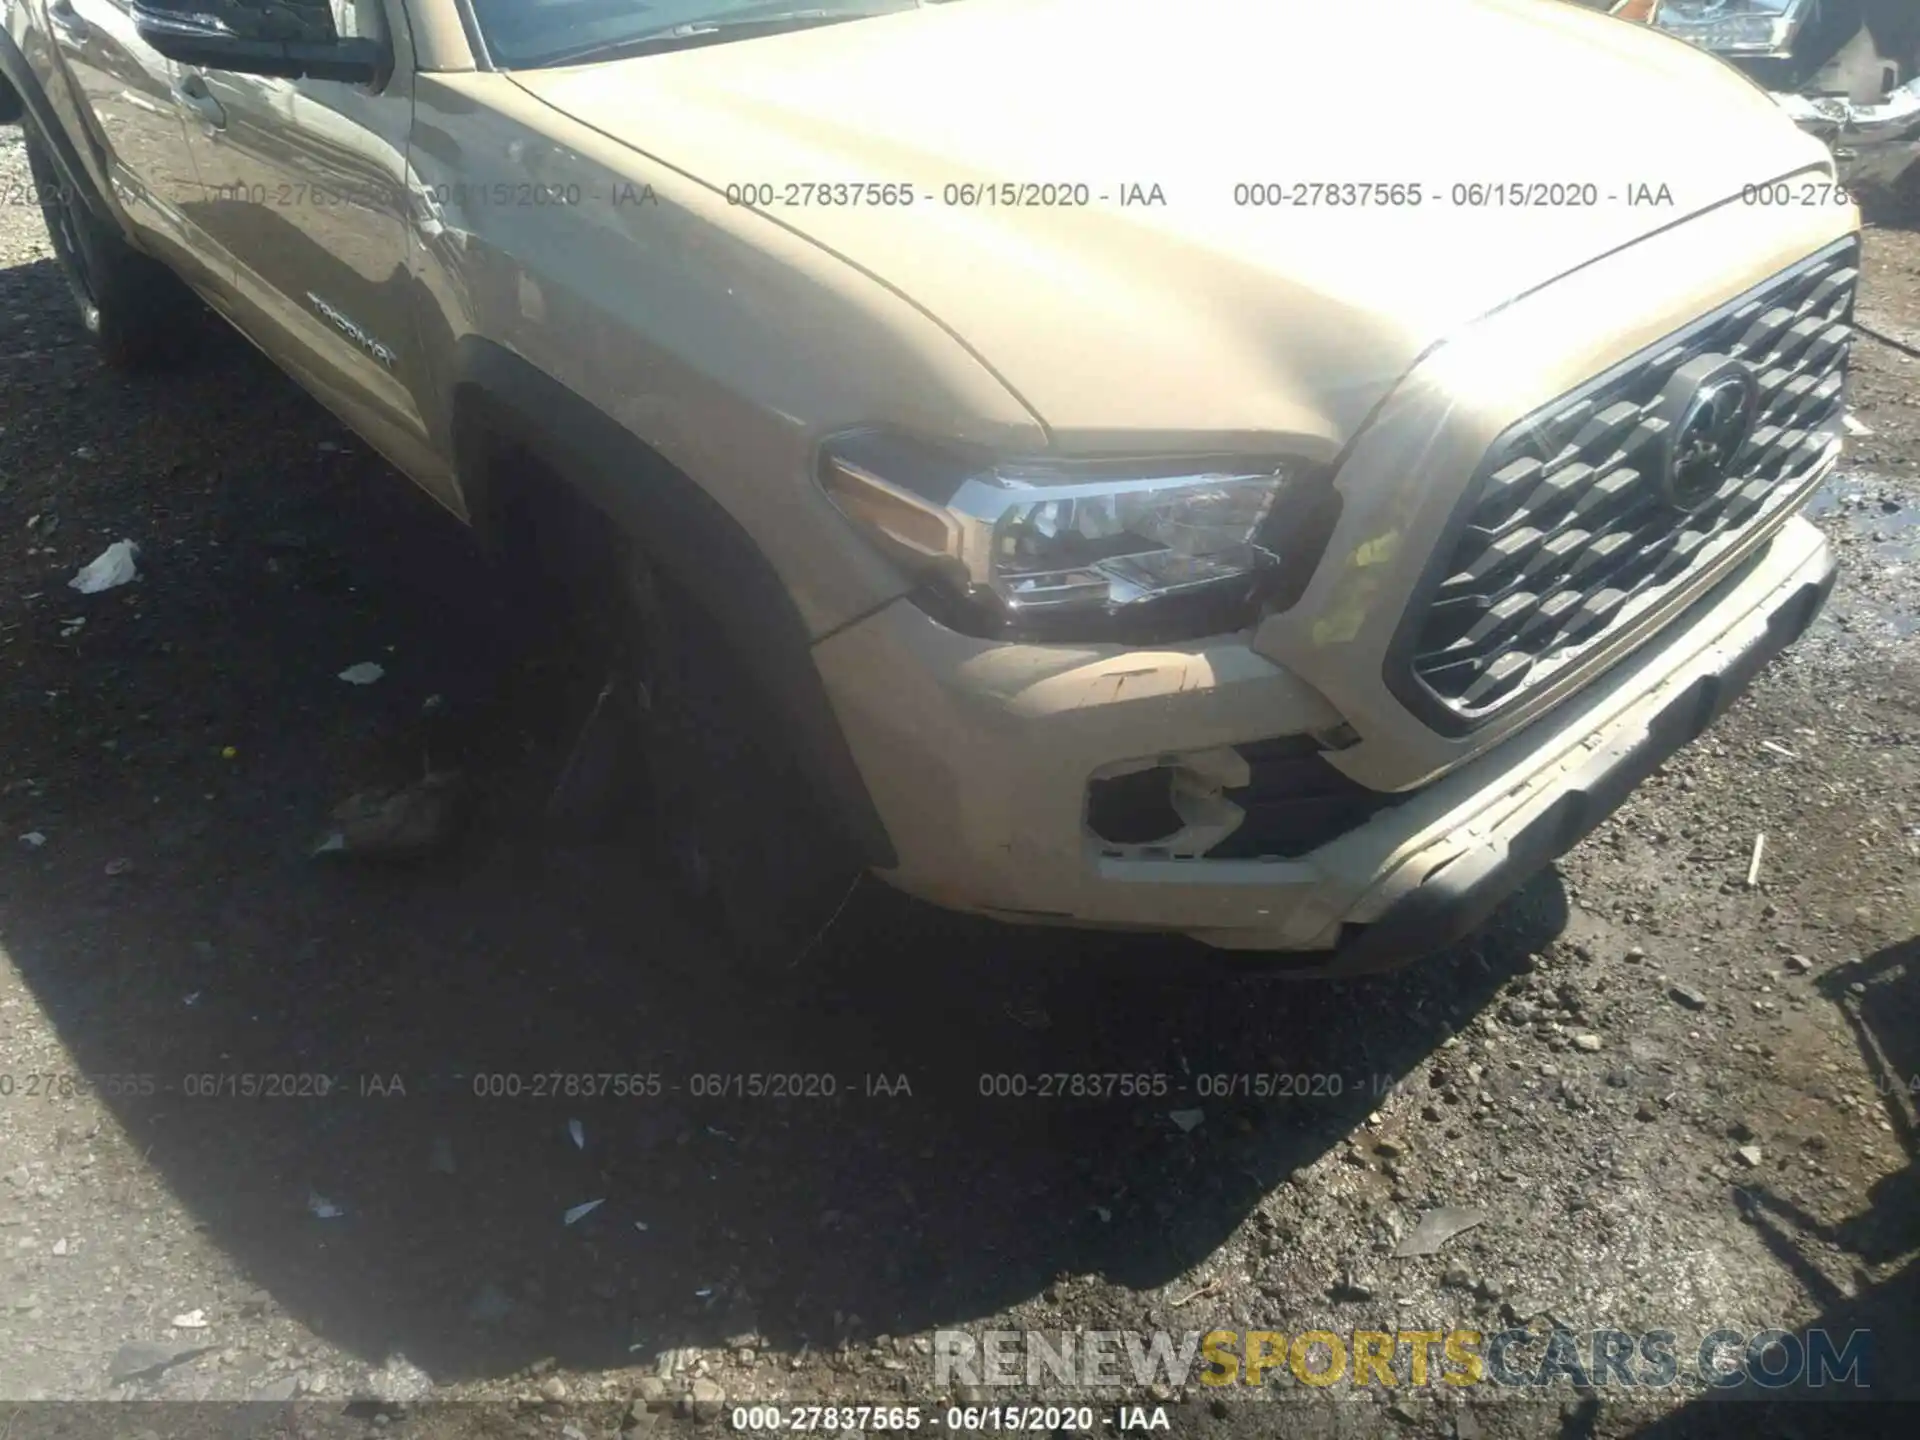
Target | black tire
(135,308)
(750,848)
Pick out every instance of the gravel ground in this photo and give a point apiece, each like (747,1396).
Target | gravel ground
(1679,1102)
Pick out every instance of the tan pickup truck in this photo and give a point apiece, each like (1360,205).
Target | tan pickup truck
(1091,462)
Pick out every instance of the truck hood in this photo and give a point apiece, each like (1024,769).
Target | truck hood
(1165,305)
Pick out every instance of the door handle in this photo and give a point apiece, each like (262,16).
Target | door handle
(67,20)
(191,91)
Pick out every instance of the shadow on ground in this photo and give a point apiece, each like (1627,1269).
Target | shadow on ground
(195,727)
(1854,1268)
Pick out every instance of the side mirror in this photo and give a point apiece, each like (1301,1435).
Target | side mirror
(291,39)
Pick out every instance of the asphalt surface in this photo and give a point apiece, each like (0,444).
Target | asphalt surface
(290,1147)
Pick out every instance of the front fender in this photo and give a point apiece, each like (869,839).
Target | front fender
(503,405)
(24,98)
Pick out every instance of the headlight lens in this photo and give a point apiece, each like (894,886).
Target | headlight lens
(1048,541)
(1732,25)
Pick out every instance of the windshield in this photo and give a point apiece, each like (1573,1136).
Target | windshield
(526,33)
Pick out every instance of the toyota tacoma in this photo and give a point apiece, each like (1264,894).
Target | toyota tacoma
(1088,462)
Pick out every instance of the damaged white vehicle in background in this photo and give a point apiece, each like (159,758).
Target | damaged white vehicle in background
(1846,70)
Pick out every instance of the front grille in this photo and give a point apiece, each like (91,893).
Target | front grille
(1565,535)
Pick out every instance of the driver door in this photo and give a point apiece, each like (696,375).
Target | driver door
(127,89)
(306,192)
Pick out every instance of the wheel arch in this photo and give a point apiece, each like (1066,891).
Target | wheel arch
(502,404)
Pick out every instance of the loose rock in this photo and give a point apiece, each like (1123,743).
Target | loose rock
(650,1393)
(707,1400)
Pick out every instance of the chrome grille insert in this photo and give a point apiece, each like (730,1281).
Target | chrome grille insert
(1571,527)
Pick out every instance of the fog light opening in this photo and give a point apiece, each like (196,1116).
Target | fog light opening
(1172,808)
(1135,808)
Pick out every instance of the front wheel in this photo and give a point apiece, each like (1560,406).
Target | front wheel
(748,842)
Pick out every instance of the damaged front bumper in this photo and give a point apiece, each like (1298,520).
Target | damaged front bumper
(981,775)
(1820,63)
(1872,144)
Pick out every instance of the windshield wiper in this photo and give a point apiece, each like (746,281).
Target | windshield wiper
(708,32)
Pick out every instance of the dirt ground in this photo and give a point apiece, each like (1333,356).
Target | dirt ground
(1680,1103)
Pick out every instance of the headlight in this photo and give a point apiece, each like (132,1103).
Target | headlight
(1737,26)
(1079,549)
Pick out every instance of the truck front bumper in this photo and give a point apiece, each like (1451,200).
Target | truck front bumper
(1872,144)
(979,757)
